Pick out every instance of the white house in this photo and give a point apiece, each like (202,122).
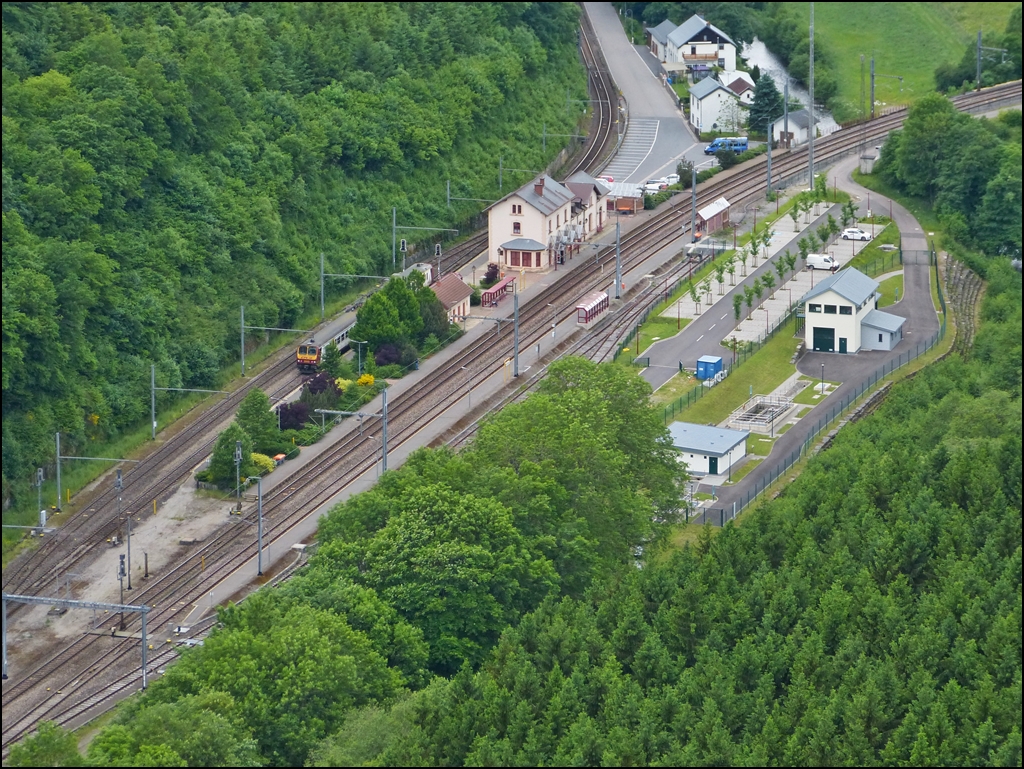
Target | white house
(713,107)
(538,212)
(657,39)
(797,130)
(587,203)
(701,46)
(741,84)
(841,315)
(708,450)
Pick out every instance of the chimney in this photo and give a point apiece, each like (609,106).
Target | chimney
(538,187)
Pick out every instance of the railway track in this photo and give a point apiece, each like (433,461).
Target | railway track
(353,455)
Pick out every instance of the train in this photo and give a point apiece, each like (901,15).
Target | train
(309,355)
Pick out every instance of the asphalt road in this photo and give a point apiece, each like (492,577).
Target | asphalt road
(650,104)
(852,370)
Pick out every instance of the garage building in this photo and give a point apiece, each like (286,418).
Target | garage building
(841,315)
(708,450)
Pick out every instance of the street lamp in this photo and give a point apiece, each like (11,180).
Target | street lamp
(238,469)
(822,378)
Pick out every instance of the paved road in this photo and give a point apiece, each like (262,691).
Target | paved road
(650,105)
(853,370)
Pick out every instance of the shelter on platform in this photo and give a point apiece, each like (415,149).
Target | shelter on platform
(713,217)
(491,296)
(591,306)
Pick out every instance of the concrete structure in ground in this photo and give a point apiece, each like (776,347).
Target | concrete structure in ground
(708,450)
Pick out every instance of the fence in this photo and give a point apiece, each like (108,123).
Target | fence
(723,514)
(885,263)
(741,356)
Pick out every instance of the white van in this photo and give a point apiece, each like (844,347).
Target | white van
(822,262)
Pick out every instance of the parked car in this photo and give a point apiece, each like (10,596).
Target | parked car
(655,185)
(606,179)
(822,262)
(672,179)
(855,233)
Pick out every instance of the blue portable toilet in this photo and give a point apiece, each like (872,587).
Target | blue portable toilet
(708,366)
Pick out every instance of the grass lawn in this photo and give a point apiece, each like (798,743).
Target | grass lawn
(889,288)
(682,89)
(673,388)
(873,260)
(807,394)
(760,445)
(907,39)
(750,464)
(804,412)
(764,371)
(657,328)
(785,427)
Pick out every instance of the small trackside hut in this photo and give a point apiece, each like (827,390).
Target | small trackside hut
(590,307)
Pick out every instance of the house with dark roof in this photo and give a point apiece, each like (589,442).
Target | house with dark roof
(657,39)
(791,130)
(701,45)
(453,293)
(841,315)
(713,107)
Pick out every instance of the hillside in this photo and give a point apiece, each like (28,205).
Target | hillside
(165,163)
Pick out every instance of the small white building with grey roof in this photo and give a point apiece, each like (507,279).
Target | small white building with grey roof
(841,315)
(701,45)
(657,39)
(713,106)
(708,450)
(792,129)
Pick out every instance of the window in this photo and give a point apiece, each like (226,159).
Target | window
(549,225)
(843,310)
(513,258)
(830,309)
(517,228)
(517,209)
(814,308)
(558,220)
(879,337)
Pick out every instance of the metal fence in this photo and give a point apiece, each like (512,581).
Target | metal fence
(720,515)
(887,262)
(742,354)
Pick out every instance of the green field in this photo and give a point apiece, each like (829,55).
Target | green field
(907,40)
(888,288)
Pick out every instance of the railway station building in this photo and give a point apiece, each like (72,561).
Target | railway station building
(538,225)
(453,293)
(841,315)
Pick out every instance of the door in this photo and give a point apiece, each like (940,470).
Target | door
(713,465)
(824,339)
(842,344)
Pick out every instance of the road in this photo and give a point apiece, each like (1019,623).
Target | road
(657,136)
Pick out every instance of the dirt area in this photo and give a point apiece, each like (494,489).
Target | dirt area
(188,514)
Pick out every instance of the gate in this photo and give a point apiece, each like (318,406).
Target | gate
(916,257)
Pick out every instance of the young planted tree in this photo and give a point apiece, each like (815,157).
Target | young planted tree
(820,188)
(806,204)
(720,276)
(748,298)
(780,267)
(824,234)
(741,254)
(794,214)
(754,246)
(790,261)
(695,296)
(759,289)
(849,213)
(804,247)
(730,267)
(705,288)
(769,281)
(833,227)
(737,305)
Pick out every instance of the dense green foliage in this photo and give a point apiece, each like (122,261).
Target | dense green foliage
(870,615)
(969,168)
(996,66)
(420,576)
(165,163)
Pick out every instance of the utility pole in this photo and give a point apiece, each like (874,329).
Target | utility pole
(394,230)
(384,430)
(618,259)
(978,78)
(58,471)
(259,526)
(785,112)
(693,200)
(238,468)
(321,285)
(810,131)
(515,333)
(872,87)
(243,339)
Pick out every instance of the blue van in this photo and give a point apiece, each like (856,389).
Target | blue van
(736,144)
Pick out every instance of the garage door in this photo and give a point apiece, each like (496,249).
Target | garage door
(825,339)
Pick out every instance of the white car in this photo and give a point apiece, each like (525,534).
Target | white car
(854,233)
(655,185)
(672,179)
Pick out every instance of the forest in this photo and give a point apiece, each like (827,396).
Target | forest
(165,163)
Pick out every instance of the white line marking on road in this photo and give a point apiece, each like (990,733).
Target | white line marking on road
(700,337)
(712,326)
(724,316)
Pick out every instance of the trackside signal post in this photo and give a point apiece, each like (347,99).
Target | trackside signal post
(383,415)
